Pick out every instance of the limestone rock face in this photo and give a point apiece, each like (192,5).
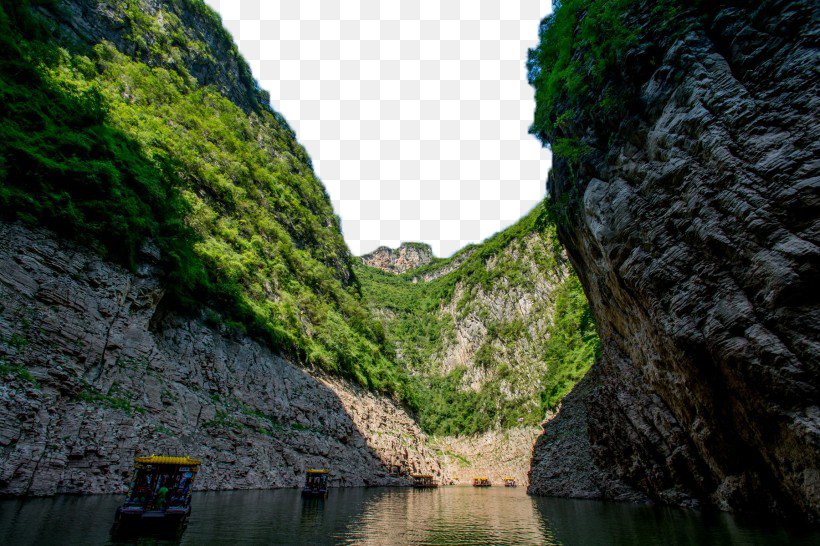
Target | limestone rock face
(562,461)
(408,256)
(493,314)
(697,245)
(96,371)
(496,454)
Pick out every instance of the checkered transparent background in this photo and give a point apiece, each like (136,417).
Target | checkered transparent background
(415,112)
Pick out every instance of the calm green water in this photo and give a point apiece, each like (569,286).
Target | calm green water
(450,515)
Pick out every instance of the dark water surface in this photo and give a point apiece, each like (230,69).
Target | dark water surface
(450,515)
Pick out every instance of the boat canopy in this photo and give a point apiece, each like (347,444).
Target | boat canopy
(168,459)
(161,483)
(316,483)
(424,480)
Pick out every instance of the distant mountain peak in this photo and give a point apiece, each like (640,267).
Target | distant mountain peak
(399,260)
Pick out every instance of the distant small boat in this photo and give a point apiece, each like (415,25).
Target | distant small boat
(509,482)
(424,481)
(482,482)
(159,498)
(316,483)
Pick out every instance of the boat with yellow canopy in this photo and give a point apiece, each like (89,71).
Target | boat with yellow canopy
(159,496)
(316,483)
(424,481)
(481,481)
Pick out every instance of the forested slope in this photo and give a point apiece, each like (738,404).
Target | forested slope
(499,332)
(130,123)
(174,279)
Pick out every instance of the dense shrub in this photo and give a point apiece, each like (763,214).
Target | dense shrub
(573,345)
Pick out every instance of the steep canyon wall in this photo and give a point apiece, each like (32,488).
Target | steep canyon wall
(95,372)
(696,240)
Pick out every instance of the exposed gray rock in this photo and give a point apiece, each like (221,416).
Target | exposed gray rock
(496,454)
(492,319)
(95,371)
(404,258)
(562,461)
(697,244)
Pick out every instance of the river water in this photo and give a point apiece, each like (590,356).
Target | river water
(449,515)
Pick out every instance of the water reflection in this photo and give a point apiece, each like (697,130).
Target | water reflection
(453,515)
(273,517)
(450,515)
(58,520)
(593,522)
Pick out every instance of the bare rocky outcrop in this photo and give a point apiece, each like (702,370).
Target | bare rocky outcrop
(496,454)
(562,460)
(697,245)
(96,371)
(399,260)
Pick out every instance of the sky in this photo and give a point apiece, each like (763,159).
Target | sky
(415,114)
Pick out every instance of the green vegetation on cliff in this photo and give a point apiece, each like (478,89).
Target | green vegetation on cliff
(154,133)
(503,336)
(586,70)
(116,152)
(580,69)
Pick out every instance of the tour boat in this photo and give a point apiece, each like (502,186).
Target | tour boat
(423,481)
(481,482)
(159,497)
(509,482)
(316,483)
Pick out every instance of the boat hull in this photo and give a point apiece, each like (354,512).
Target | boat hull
(150,522)
(314,494)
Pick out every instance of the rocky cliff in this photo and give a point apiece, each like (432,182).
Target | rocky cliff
(122,122)
(96,371)
(399,260)
(497,454)
(501,328)
(173,276)
(694,228)
(159,32)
